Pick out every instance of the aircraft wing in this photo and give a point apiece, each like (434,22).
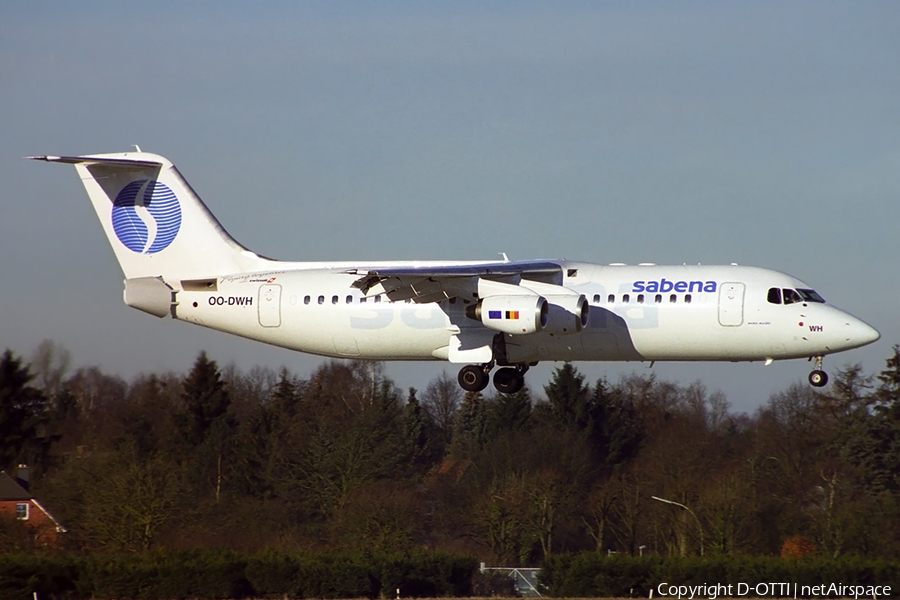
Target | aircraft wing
(433,283)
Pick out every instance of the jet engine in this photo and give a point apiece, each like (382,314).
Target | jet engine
(568,314)
(517,315)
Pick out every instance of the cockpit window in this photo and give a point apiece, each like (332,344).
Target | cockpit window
(810,296)
(791,296)
(774,296)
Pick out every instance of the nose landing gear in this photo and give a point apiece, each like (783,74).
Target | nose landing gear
(818,377)
(508,380)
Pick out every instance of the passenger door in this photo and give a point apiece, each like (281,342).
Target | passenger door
(731,304)
(270,305)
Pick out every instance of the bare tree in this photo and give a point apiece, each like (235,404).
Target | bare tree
(441,400)
(49,364)
(128,501)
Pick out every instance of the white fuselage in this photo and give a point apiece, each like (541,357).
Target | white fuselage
(647,312)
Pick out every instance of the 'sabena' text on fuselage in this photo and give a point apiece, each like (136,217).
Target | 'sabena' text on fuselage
(664,285)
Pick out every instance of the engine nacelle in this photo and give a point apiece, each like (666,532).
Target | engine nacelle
(517,315)
(568,314)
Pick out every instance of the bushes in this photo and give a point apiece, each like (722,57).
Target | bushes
(427,575)
(274,575)
(590,574)
(166,575)
(277,574)
(23,574)
(215,575)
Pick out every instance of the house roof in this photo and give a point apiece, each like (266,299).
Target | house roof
(11,490)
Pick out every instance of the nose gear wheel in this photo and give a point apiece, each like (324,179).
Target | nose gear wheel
(818,378)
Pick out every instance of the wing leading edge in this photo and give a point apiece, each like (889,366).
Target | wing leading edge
(433,283)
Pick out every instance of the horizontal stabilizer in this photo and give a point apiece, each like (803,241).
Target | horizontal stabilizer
(111,162)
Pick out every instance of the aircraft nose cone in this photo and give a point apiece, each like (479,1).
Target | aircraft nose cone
(860,333)
(869,334)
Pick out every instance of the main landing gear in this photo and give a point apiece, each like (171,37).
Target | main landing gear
(508,380)
(818,378)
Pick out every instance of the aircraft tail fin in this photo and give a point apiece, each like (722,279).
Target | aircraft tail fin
(155,222)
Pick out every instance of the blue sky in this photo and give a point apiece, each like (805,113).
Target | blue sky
(762,133)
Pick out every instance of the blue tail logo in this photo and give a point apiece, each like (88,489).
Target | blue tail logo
(146,216)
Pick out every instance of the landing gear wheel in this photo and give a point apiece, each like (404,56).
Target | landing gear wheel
(472,378)
(818,378)
(508,380)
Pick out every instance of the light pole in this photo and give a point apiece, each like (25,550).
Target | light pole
(699,526)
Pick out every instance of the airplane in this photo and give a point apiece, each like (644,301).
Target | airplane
(179,262)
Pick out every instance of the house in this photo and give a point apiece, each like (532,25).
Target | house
(16,500)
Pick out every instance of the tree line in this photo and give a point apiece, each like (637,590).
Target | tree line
(344,460)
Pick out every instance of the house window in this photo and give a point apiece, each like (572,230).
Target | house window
(22,511)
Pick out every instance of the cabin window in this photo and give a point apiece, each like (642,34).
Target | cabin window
(22,511)
(334,299)
(377,299)
(658,298)
(687,298)
(774,296)
(626,298)
(611,299)
(363,300)
(321,299)
(596,298)
(791,296)
(349,299)
(305,299)
(640,299)
(673,299)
